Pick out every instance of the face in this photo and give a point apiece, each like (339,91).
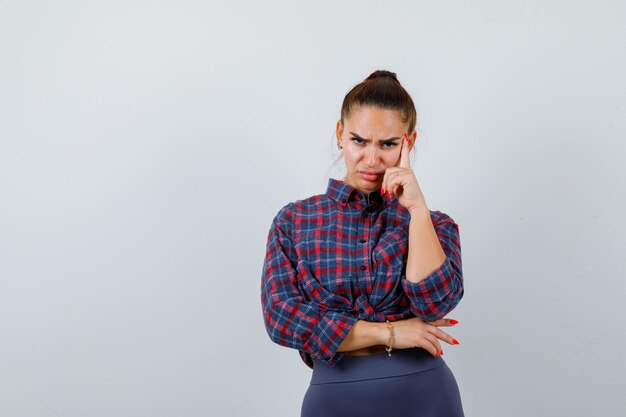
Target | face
(371,138)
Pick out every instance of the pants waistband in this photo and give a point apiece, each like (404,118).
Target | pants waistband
(356,368)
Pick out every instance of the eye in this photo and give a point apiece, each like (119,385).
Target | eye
(391,144)
(358,141)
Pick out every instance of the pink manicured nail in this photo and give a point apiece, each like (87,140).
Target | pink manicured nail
(406,137)
(441,353)
(452,321)
(456,342)
(382,190)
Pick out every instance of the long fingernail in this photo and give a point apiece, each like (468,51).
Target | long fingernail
(406,137)
(382,190)
(456,342)
(441,353)
(452,321)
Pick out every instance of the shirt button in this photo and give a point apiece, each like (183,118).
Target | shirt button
(363,267)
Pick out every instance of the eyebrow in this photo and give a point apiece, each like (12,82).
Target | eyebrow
(382,140)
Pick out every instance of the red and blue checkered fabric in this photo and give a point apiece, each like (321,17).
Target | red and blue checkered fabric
(339,257)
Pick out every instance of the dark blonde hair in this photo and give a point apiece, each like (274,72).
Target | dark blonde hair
(383,90)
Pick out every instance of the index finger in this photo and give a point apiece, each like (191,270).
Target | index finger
(405,161)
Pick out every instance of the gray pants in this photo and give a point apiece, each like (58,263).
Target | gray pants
(409,383)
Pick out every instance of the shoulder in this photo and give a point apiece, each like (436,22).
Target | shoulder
(444,224)
(440,218)
(294,211)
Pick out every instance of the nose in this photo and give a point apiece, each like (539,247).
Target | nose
(372,156)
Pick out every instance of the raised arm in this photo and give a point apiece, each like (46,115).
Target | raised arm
(433,280)
(434,276)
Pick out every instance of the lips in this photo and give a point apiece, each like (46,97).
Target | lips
(370,175)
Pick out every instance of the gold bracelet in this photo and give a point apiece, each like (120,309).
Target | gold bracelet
(392,333)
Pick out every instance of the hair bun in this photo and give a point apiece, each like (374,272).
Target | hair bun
(382,73)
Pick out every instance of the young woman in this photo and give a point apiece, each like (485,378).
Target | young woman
(359,279)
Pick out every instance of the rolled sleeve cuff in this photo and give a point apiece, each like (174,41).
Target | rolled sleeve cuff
(432,289)
(332,329)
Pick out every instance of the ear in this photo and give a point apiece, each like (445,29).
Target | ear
(339,131)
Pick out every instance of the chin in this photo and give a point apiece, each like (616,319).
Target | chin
(370,186)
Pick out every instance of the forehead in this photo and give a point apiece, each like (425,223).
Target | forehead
(366,120)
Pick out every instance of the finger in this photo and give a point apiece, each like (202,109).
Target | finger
(397,183)
(435,341)
(434,346)
(441,335)
(395,189)
(427,346)
(405,161)
(445,337)
(443,322)
(388,182)
(430,335)
(382,184)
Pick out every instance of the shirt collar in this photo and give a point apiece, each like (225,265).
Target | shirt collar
(343,193)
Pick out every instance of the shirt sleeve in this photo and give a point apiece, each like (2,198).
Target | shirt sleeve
(441,291)
(289,319)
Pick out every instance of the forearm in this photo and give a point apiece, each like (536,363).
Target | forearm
(364,334)
(425,252)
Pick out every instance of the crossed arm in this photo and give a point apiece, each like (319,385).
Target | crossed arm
(435,287)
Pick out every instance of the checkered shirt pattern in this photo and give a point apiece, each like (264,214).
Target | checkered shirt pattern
(339,257)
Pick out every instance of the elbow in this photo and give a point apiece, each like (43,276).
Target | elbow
(430,311)
(277,335)
(273,330)
(272,320)
(280,331)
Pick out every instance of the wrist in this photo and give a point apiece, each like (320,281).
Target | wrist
(419,210)
(392,333)
(382,333)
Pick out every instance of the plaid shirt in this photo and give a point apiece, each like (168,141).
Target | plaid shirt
(339,257)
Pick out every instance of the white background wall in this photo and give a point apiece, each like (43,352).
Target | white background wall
(145,147)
